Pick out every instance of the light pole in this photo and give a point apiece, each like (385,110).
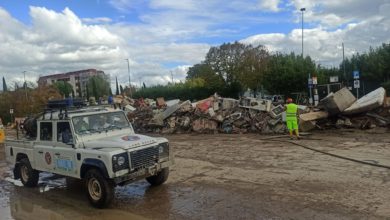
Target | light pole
(128,70)
(302,10)
(303,63)
(345,76)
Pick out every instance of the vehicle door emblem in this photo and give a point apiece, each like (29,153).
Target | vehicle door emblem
(48,158)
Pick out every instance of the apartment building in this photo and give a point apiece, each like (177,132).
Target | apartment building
(78,79)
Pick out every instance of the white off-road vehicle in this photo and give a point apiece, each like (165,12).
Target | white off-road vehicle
(97,145)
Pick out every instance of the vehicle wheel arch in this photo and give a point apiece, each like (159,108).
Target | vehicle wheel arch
(19,157)
(92,163)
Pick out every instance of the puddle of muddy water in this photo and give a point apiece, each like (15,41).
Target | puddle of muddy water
(29,204)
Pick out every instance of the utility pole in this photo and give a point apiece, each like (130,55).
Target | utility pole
(172,77)
(128,70)
(345,76)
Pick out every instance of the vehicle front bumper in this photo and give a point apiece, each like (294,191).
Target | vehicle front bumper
(141,173)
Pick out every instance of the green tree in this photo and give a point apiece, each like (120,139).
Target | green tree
(87,91)
(288,73)
(117,86)
(98,87)
(252,67)
(225,59)
(64,88)
(204,71)
(5,89)
(372,65)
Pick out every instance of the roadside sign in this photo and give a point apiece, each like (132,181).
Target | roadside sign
(310,83)
(11,110)
(356,84)
(356,74)
(314,79)
(334,79)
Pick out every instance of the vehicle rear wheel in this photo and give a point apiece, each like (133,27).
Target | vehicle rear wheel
(159,178)
(100,191)
(28,175)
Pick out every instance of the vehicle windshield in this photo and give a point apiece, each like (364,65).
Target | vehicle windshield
(99,122)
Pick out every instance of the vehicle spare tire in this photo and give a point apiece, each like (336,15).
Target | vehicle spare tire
(30,126)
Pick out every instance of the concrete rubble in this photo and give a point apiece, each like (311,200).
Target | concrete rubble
(211,115)
(342,110)
(226,115)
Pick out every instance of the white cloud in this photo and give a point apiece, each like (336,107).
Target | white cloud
(270,5)
(179,5)
(358,23)
(172,35)
(97,20)
(46,48)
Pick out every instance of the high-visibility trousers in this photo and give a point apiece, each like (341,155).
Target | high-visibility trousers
(292,123)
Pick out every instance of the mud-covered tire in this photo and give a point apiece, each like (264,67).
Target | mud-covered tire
(159,178)
(100,191)
(28,175)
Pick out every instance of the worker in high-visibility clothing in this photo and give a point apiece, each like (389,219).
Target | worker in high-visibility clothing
(291,118)
(2,134)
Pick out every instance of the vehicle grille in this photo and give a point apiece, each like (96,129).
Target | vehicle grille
(144,158)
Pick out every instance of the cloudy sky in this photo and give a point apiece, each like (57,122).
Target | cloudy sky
(164,37)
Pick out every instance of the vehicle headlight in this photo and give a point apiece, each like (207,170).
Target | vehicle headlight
(163,149)
(120,162)
(160,149)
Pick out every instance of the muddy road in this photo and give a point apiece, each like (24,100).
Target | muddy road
(231,177)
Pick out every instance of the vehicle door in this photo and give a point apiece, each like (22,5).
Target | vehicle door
(43,148)
(64,151)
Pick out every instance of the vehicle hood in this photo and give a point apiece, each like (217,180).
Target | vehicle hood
(122,141)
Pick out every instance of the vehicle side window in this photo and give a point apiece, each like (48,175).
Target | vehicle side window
(46,131)
(64,134)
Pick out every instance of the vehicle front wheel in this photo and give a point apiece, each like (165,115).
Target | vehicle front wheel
(159,178)
(100,191)
(28,175)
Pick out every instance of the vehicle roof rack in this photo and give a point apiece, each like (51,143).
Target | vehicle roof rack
(63,106)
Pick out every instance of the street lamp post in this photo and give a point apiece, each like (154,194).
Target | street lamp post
(128,70)
(302,10)
(309,78)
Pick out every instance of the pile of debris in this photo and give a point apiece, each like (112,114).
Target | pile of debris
(226,115)
(342,110)
(211,115)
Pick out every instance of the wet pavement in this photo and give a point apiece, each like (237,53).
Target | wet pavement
(228,177)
